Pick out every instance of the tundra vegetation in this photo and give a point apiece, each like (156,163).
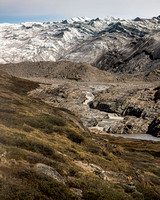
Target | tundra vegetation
(92,166)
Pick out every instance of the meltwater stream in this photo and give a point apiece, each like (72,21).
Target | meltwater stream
(138,136)
(106,120)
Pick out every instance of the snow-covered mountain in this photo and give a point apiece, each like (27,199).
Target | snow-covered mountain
(95,41)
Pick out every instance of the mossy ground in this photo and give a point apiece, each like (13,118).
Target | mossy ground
(32,131)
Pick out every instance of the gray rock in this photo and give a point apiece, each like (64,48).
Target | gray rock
(49,171)
(77,191)
(136,103)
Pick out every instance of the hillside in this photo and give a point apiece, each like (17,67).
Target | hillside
(46,153)
(61,70)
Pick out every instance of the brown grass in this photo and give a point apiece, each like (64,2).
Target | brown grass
(33,132)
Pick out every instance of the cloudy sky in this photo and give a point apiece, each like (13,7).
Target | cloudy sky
(53,10)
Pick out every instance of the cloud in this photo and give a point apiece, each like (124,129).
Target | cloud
(72,8)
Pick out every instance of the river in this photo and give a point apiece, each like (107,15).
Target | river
(138,136)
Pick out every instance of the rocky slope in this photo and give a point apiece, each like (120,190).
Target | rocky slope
(139,104)
(46,153)
(60,70)
(117,45)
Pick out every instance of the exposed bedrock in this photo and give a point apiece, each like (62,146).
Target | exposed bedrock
(74,96)
(137,105)
(130,125)
(154,127)
(119,108)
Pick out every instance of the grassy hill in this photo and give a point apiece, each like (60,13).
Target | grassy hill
(46,153)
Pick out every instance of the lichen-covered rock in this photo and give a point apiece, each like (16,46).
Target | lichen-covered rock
(49,171)
(77,191)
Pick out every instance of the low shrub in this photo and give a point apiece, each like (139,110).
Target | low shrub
(93,149)
(107,194)
(74,136)
(31,145)
(147,193)
(44,122)
(26,184)
(59,130)
(27,129)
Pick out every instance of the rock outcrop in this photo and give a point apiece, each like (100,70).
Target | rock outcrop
(130,125)
(154,127)
(137,105)
(49,171)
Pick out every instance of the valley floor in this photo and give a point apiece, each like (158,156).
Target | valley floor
(125,107)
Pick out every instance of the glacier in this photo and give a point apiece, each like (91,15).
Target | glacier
(77,39)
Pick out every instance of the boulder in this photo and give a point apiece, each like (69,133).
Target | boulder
(49,171)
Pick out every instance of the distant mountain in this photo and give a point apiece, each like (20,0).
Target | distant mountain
(109,44)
